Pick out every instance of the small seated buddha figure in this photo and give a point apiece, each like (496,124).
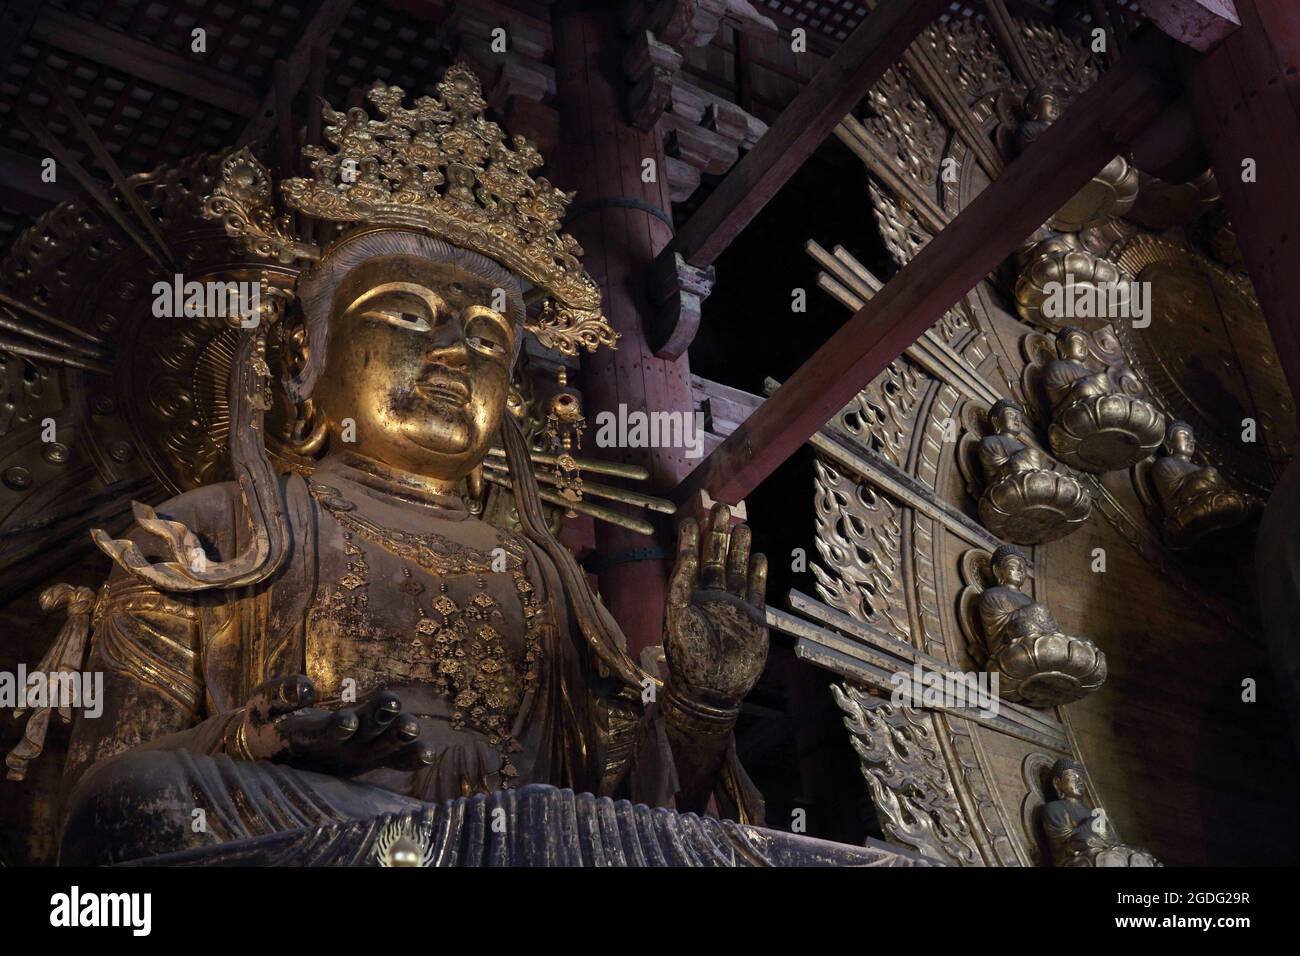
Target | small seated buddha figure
(1095,427)
(1078,836)
(1037,664)
(284,652)
(1025,500)
(1196,499)
(1042,108)
(1111,193)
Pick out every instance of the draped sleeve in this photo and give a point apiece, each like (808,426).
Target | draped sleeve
(607,740)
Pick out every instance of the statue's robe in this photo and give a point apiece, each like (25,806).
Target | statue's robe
(1003,456)
(1068,827)
(341,609)
(1179,481)
(997,607)
(1067,381)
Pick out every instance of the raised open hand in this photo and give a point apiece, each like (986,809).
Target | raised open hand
(716,635)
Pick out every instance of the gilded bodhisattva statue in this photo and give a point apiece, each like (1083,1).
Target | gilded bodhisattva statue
(1110,194)
(243,617)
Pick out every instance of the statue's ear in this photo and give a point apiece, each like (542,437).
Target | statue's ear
(475,490)
(297,432)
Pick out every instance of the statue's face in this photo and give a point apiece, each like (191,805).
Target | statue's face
(1069,783)
(1074,346)
(420,361)
(1009,421)
(1011,571)
(1181,442)
(1045,106)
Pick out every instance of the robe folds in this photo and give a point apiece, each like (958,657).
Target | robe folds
(487,657)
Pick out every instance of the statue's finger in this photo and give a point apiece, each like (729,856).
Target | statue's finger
(280,696)
(413,756)
(378,714)
(688,559)
(738,559)
(403,731)
(316,730)
(292,693)
(688,537)
(757,595)
(714,572)
(344,724)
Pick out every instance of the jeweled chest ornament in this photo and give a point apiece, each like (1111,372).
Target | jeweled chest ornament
(458,643)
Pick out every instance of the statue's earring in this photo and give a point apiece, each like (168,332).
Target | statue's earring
(308,432)
(516,404)
(565,424)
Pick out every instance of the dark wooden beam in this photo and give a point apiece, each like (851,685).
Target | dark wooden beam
(1007,34)
(112,48)
(318,31)
(1247,105)
(1101,122)
(1101,19)
(106,162)
(877,44)
(1201,24)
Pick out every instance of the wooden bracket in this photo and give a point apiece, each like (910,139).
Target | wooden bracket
(650,67)
(678,289)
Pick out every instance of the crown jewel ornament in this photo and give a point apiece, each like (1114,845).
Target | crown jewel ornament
(438,167)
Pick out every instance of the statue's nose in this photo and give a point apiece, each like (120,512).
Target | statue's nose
(452,353)
(449,346)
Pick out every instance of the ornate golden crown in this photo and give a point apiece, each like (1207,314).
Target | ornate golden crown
(439,168)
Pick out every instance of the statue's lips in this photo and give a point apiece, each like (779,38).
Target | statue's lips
(446,386)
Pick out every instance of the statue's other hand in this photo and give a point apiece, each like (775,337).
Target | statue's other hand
(716,634)
(280,723)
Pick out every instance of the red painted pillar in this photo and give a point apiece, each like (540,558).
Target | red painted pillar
(603,158)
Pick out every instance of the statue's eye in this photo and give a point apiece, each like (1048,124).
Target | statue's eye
(481,335)
(400,316)
(485,330)
(402,304)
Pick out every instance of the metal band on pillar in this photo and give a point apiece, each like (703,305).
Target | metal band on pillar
(595,565)
(616,202)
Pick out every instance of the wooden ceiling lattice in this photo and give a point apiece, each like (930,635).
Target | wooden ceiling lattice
(130,68)
(140,123)
(376,42)
(243,39)
(836,19)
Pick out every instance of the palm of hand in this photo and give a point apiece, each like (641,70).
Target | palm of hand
(716,635)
